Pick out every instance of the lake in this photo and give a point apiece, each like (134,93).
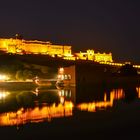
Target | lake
(95,112)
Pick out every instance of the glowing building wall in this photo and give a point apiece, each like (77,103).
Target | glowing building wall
(33,47)
(21,46)
(91,55)
(67,75)
(81,55)
(103,57)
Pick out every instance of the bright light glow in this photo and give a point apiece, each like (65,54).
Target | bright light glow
(59,76)
(36,92)
(3,94)
(93,106)
(36,114)
(40,47)
(34,47)
(62,100)
(138,90)
(3,77)
(61,70)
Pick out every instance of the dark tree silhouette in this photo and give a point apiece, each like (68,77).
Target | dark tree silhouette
(128,70)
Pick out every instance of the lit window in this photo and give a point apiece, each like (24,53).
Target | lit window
(62,77)
(69,76)
(61,70)
(66,76)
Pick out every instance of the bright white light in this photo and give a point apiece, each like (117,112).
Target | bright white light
(3,94)
(3,77)
(62,100)
(62,77)
(61,70)
(59,76)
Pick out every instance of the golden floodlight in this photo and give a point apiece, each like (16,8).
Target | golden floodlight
(3,77)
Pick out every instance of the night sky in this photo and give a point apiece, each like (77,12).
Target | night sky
(102,25)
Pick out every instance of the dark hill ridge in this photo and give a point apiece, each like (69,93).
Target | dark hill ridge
(55,63)
(87,72)
(42,60)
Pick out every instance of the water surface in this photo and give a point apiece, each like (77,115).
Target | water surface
(70,113)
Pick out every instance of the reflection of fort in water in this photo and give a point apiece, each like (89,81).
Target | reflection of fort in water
(48,104)
(46,110)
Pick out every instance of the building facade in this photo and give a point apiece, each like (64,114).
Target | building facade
(18,46)
(91,55)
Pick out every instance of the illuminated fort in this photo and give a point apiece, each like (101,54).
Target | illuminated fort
(21,46)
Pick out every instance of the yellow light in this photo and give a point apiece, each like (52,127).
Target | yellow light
(3,77)
(62,100)
(3,94)
(93,106)
(59,76)
(61,70)
(46,48)
(36,114)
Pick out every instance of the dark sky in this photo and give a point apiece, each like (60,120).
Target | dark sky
(102,25)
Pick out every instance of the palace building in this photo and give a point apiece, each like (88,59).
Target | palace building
(21,46)
(91,55)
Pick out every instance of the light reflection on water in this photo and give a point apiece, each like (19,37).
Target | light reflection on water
(138,90)
(43,105)
(36,114)
(3,94)
(93,106)
(48,104)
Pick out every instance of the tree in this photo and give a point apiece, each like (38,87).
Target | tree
(19,75)
(27,74)
(128,70)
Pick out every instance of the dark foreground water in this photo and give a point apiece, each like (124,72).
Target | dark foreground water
(83,113)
